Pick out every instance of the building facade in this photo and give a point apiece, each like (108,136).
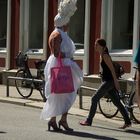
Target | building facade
(26,24)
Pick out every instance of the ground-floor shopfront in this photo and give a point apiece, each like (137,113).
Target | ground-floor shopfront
(26,24)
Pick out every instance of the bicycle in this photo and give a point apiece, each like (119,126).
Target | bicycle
(29,82)
(109,110)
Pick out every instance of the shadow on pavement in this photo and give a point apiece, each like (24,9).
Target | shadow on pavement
(120,130)
(2,132)
(87,135)
(133,132)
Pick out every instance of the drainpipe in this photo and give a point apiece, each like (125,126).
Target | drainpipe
(86,38)
(45,29)
(135,30)
(136,24)
(21,24)
(8,41)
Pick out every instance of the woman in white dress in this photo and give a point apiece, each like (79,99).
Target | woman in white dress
(60,43)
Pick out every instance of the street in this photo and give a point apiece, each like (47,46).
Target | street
(23,123)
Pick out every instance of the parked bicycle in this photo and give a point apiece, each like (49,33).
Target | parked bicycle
(28,82)
(109,110)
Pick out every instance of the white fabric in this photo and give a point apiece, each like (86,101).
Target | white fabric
(60,21)
(66,9)
(57,104)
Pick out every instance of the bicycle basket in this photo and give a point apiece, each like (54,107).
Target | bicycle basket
(21,59)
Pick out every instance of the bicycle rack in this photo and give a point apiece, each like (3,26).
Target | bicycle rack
(20,78)
(81,95)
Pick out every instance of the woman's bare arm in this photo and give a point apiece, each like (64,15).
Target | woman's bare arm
(55,43)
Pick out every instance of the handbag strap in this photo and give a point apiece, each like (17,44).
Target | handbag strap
(59,60)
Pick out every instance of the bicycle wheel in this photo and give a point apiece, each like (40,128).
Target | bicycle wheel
(41,89)
(41,86)
(107,108)
(135,109)
(23,87)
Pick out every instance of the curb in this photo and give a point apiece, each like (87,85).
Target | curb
(22,102)
(72,111)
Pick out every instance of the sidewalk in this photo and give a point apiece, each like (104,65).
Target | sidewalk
(36,101)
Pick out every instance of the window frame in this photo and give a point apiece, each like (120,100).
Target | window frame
(106,23)
(24,31)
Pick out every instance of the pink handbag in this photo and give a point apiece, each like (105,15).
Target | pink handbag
(61,79)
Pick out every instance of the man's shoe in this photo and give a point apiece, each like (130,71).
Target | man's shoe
(125,126)
(85,123)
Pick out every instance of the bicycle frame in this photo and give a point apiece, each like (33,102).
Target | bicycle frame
(34,82)
(27,70)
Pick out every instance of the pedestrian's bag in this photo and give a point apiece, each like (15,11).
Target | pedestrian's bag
(61,78)
(119,70)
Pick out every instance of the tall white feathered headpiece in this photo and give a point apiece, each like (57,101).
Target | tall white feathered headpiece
(66,9)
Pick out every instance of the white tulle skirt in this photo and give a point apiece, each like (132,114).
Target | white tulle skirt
(58,104)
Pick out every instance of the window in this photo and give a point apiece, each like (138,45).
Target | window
(122,24)
(36,12)
(31,26)
(3,23)
(76,25)
(117,23)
